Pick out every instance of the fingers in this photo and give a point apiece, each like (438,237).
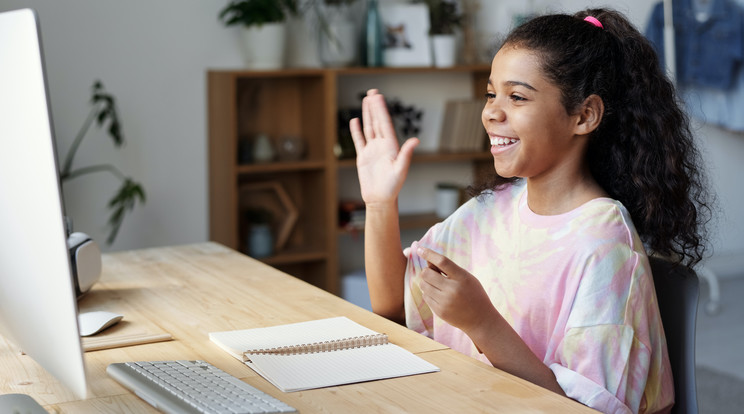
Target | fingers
(381,121)
(438,262)
(431,285)
(405,155)
(369,132)
(376,119)
(356,135)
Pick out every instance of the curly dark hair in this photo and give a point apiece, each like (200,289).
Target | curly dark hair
(643,153)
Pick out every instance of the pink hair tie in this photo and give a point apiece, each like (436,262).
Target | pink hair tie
(593,20)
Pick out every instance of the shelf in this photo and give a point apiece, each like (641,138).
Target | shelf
(407,222)
(291,256)
(300,103)
(419,220)
(431,158)
(272,167)
(363,71)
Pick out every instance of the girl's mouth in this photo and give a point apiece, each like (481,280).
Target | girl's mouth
(502,142)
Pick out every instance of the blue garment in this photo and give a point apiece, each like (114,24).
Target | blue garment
(709,57)
(708,52)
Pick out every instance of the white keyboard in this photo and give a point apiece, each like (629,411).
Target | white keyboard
(193,387)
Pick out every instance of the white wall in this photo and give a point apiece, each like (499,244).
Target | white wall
(153,56)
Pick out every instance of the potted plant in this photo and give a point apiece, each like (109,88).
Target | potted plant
(104,111)
(445,19)
(263,29)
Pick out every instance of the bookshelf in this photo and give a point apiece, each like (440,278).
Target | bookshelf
(303,103)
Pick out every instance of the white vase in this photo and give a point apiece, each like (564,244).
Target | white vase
(338,45)
(263,151)
(302,44)
(447,200)
(264,46)
(444,49)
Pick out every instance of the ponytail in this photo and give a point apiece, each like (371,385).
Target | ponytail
(643,153)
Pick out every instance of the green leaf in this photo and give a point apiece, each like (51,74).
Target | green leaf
(122,202)
(107,112)
(257,12)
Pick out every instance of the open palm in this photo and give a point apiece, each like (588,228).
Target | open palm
(382,166)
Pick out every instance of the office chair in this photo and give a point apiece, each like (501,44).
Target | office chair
(677,293)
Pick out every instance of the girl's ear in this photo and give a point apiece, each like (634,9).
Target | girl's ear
(590,115)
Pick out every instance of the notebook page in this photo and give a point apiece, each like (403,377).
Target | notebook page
(237,342)
(324,369)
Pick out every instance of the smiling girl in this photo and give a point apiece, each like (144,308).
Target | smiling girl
(545,273)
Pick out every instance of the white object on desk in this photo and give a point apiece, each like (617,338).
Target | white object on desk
(320,353)
(93,322)
(20,404)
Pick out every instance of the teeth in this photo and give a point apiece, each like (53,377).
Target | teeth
(502,141)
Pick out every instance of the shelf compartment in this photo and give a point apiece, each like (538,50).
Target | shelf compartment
(282,106)
(305,190)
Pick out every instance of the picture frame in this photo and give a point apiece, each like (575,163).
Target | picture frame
(405,30)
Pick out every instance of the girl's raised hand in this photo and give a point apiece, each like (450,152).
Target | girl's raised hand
(453,293)
(381,165)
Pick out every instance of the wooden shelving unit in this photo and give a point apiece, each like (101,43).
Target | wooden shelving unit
(296,102)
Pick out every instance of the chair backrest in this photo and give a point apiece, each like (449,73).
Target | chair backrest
(677,293)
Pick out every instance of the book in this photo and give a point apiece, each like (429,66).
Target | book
(462,128)
(320,353)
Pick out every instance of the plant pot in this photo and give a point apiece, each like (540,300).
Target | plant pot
(444,50)
(302,45)
(264,46)
(448,200)
(338,45)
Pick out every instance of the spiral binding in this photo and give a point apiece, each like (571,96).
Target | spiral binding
(325,346)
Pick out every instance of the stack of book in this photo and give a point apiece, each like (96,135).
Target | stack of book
(462,128)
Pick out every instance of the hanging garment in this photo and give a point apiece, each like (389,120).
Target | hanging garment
(709,48)
(709,40)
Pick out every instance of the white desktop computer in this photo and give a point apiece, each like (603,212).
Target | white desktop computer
(38,309)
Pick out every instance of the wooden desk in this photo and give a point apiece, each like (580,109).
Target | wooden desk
(189,291)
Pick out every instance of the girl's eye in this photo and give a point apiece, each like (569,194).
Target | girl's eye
(516,98)
(490,96)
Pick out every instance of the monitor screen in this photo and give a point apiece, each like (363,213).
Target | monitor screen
(38,309)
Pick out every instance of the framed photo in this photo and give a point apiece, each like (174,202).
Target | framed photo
(405,30)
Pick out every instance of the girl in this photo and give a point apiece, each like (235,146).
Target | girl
(545,274)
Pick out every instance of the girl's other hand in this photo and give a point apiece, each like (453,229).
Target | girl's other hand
(453,293)
(381,165)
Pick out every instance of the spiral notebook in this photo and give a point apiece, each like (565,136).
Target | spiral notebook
(320,353)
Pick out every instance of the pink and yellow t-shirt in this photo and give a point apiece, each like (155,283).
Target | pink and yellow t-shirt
(576,287)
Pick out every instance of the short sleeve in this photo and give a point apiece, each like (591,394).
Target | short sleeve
(612,356)
(604,367)
(587,392)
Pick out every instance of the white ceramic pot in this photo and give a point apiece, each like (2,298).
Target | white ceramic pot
(264,46)
(444,50)
(447,200)
(338,45)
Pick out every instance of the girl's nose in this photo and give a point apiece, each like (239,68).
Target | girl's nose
(493,112)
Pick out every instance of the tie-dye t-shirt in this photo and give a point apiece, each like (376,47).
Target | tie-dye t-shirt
(576,287)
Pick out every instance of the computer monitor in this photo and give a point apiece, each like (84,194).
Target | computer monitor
(38,308)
